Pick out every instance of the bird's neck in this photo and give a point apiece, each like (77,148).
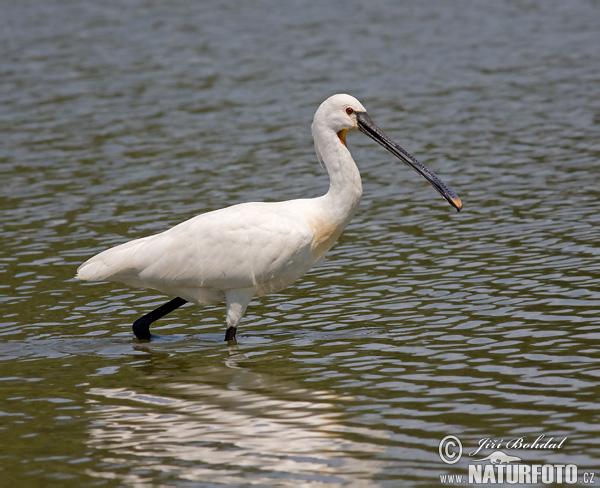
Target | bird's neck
(345,187)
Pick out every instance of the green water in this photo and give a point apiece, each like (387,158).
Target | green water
(120,119)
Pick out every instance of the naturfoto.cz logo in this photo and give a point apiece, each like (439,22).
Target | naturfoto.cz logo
(499,467)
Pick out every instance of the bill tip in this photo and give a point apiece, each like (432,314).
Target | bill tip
(457,202)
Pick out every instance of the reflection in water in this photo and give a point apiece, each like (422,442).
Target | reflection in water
(252,426)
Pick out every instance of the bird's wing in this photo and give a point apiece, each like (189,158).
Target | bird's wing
(261,245)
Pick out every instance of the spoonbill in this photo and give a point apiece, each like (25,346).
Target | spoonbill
(251,249)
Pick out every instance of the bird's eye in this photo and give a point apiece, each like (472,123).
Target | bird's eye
(349,110)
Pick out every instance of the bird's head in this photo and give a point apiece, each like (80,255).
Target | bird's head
(341,113)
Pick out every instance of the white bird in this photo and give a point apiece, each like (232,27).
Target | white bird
(251,249)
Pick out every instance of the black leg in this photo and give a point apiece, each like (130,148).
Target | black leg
(141,327)
(230,334)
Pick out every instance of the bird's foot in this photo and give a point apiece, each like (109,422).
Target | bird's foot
(230,334)
(141,329)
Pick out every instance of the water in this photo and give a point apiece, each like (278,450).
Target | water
(120,119)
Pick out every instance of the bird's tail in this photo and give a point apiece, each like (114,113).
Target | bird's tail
(106,266)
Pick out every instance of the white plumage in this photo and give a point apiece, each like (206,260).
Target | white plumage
(251,249)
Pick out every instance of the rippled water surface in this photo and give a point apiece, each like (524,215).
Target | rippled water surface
(120,119)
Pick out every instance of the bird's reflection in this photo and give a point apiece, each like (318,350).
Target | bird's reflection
(229,421)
